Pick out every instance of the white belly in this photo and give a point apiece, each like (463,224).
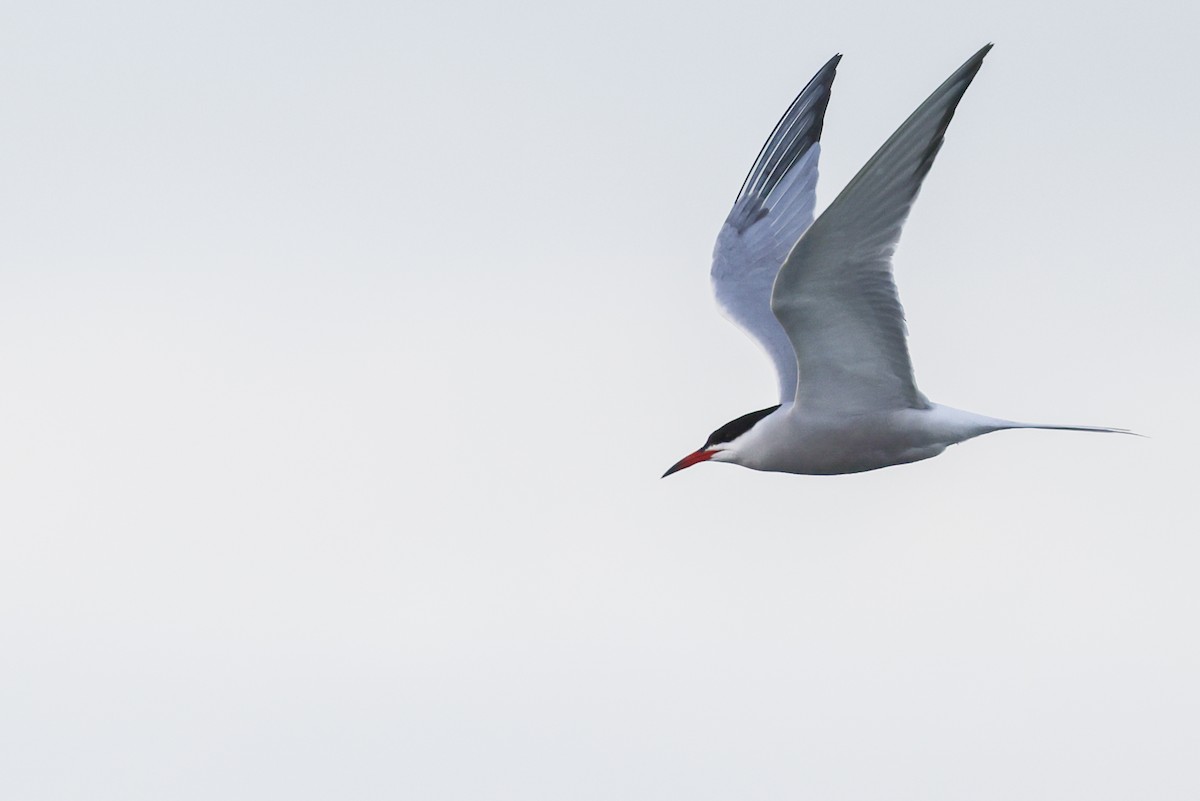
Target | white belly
(790,442)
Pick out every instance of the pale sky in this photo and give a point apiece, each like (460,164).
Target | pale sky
(342,346)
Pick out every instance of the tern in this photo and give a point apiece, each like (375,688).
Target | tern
(820,299)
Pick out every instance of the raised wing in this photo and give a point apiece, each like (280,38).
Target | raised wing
(772,210)
(835,295)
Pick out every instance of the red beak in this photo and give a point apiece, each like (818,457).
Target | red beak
(689,460)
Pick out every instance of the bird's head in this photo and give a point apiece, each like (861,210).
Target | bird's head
(723,444)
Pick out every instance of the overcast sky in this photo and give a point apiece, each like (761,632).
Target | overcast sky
(342,346)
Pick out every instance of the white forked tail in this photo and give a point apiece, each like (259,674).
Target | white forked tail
(966,425)
(1102,429)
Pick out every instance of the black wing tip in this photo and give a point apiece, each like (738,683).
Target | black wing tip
(785,147)
(966,73)
(824,79)
(778,154)
(973,63)
(962,79)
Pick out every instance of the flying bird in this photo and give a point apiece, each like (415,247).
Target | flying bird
(819,297)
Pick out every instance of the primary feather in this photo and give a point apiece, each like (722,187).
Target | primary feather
(774,207)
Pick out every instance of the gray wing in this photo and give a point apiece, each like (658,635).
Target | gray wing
(835,295)
(773,208)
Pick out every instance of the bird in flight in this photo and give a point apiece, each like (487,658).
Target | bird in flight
(819,297)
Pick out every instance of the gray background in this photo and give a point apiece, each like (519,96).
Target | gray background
(342,346)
